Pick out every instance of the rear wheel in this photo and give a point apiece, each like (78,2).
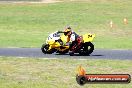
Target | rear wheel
(45,50)
(88,47)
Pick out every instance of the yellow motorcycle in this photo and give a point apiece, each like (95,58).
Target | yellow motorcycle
(56,42)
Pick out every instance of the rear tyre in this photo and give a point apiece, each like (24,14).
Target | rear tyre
(45,48)
(88,48)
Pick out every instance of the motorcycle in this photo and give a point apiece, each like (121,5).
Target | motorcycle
(86,46)
(56,42)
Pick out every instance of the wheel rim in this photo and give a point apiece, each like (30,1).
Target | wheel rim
(89,48)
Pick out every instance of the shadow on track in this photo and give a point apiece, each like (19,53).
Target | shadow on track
(98,55)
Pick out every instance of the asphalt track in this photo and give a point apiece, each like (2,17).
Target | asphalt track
(36,53)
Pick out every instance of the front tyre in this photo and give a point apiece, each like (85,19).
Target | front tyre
(45,48)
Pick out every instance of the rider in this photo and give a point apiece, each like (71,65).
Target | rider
(72,37)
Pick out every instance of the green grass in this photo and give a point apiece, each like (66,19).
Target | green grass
(28,25)
(57,73)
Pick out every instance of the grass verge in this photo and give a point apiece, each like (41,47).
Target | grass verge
(56,73)
(28,25)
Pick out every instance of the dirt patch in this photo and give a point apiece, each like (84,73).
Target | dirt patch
(49,1)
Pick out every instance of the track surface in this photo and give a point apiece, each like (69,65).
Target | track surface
(36,53)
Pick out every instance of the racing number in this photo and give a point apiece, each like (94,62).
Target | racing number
(89,36)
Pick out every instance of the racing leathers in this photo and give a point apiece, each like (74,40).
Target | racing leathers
(75,40)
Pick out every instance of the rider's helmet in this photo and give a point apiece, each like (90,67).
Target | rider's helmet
(67,31)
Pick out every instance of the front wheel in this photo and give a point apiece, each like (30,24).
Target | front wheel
(45,48)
